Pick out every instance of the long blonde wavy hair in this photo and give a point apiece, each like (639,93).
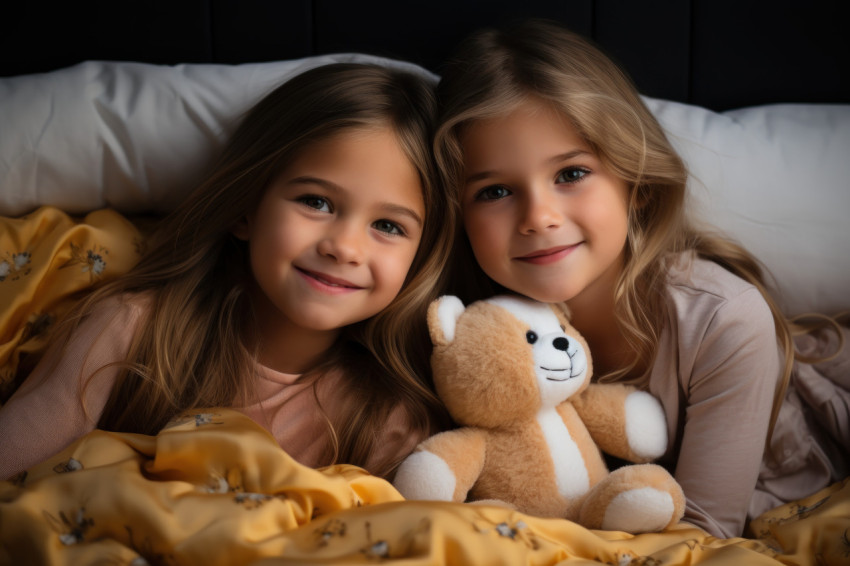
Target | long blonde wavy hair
(494,71)
(190,352)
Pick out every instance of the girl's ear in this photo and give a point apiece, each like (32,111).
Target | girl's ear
(242,229)
(442,319)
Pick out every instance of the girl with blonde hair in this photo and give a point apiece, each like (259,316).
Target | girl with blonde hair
(290,285)
(570,191)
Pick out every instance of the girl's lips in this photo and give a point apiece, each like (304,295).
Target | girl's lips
(550,255)
(327,283)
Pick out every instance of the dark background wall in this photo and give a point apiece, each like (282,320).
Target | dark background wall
(716,53)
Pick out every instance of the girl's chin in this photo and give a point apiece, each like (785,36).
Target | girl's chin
(552,293)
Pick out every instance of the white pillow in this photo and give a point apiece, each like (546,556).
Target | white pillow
(777,179)
(137,137)
(131,136)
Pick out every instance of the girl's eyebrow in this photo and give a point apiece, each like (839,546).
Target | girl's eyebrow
(479,176)
(390,207)
(572,154)
(569,155)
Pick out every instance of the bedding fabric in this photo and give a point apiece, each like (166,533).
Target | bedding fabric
(215,488)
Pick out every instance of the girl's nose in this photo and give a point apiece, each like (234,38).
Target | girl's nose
(343,244)
(541,213)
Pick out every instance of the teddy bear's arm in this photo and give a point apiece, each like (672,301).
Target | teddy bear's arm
(624,421)
(443,467)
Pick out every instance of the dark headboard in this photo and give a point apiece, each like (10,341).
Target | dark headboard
(719,54)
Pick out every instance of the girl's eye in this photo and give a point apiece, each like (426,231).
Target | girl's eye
(494,192)
(388,227)
(571,175)
(318,203)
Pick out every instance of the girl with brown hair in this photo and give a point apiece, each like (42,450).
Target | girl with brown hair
(291,285)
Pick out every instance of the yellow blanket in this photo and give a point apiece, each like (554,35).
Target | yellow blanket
(46,258)
(215,488)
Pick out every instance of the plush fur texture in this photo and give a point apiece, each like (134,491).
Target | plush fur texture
(516,377)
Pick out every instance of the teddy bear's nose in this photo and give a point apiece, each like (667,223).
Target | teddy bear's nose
(561,343)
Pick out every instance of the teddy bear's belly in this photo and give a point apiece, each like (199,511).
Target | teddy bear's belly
(569,466)
(521,464)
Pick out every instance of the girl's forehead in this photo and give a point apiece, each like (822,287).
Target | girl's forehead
(524,116)
(354,135)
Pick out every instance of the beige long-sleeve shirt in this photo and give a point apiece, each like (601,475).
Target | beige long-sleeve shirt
(57,403)
(716,371)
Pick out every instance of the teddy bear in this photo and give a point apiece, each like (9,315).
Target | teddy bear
(515,377)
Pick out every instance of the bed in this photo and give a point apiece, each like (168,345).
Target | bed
(107,125)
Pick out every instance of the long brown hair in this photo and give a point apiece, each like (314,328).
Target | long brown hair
(189,353)
(494,71)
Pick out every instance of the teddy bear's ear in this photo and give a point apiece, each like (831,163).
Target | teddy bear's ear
(442,319)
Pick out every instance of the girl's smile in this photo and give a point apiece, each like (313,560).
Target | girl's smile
(327,284)
(551,255)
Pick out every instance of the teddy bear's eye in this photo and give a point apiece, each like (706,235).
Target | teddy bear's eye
(531,337)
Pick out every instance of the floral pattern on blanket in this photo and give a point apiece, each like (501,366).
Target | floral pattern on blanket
(46,258)
(15,266)
(215,488)
(90,261)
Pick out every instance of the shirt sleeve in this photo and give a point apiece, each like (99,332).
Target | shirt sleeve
(729,397)
(58,403)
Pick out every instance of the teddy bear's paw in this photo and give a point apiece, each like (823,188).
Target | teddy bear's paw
(425,476)
(640,510)
(646,426)
(635,499)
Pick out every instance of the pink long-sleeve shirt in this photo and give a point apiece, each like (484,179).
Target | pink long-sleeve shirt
(716,371)
(57,404)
